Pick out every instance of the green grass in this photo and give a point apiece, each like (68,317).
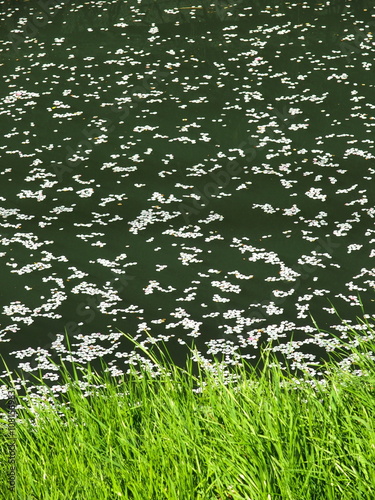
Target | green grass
(184,436)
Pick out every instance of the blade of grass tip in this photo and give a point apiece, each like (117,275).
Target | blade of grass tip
(12,385)
(50,360)
(361,304)
(104,377)
(141,347)
(189,363)
(165,357)
(342,342)
(338,315)
(21,376)
(365,321)
(316,324)
(18,376)
(264,359)
(75,375)
(355,334)
(9,373)
(200,377)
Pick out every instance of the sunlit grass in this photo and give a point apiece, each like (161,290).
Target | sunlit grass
(199,436)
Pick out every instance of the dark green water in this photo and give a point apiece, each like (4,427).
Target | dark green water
(202,173)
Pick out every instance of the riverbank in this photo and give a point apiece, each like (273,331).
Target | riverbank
(262,435)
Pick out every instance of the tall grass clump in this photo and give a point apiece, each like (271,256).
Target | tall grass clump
(184,435)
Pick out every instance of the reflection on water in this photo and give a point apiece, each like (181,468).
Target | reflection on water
(206,175)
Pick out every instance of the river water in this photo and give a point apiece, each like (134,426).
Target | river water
(185,173)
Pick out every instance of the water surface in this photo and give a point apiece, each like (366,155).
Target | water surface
(199,174)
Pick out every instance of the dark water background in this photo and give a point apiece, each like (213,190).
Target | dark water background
(201,171)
